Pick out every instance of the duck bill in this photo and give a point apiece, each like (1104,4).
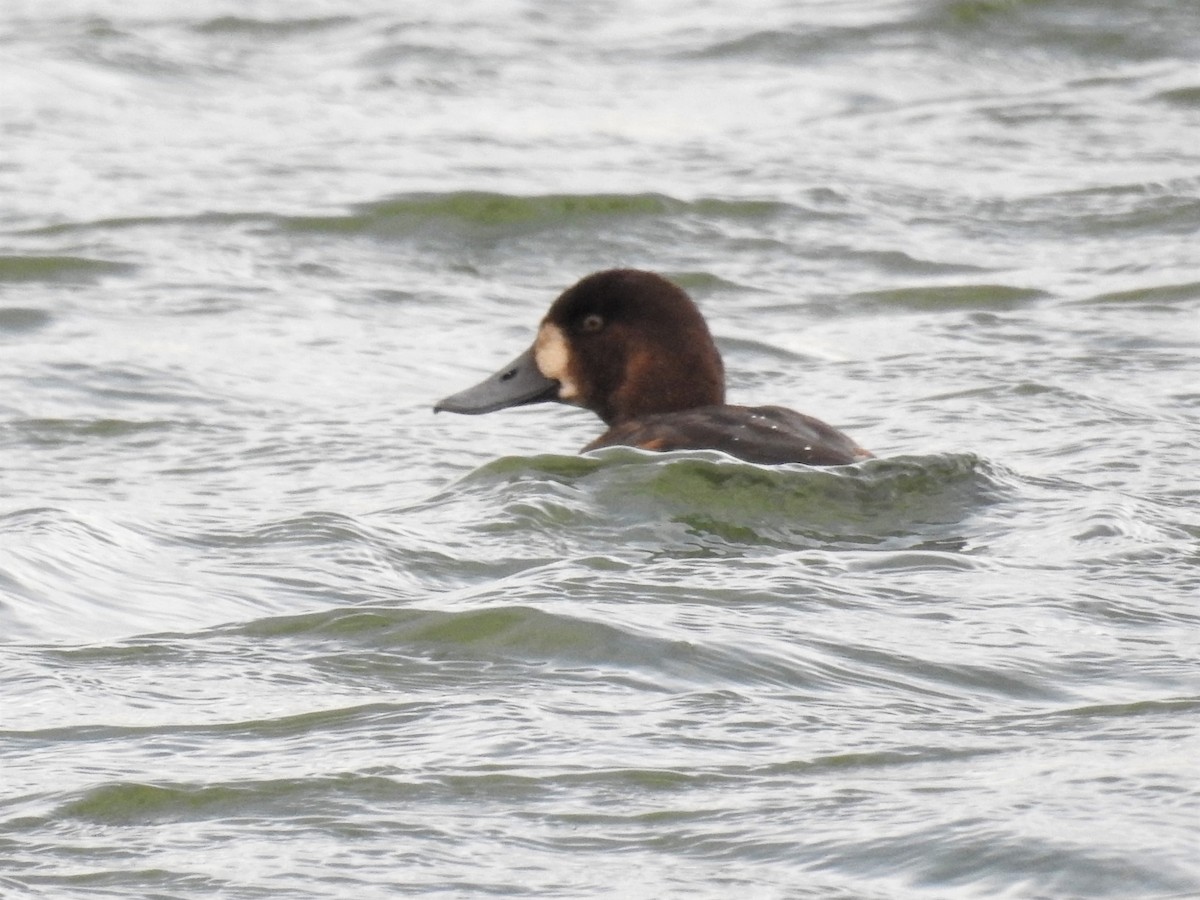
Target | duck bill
(518,383)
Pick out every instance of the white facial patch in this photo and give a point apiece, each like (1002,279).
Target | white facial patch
(552,354)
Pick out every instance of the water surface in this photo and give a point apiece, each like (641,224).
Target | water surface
(271,629)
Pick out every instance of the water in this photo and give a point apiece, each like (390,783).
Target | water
(271,629)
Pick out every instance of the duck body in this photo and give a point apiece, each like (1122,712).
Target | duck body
(769,435)
(633,348)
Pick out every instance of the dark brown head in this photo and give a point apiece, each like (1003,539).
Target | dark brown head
(623,343)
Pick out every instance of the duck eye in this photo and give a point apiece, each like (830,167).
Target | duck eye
(594,322)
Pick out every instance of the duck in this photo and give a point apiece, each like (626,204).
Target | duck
(633,347)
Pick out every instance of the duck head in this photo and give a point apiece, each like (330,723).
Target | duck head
(623,343)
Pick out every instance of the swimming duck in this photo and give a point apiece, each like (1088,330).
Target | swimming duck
(633,348)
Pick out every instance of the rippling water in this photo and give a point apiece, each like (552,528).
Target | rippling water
(270,629)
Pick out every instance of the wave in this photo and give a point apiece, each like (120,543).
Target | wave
(1135,32)
(715,498)
(75,269)
(412,213)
